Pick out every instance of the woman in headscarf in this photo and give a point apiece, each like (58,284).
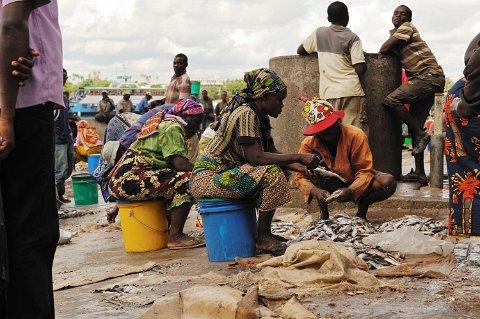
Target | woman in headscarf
(462,149)
(156,166)
(241,161)
(87,142)
(115,128)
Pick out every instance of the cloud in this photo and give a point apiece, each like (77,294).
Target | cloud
(227,37)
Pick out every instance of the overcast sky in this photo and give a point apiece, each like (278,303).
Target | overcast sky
(224,38)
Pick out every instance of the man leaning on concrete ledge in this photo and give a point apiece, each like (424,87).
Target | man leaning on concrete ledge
(27,155)
(341,61)
(425,78)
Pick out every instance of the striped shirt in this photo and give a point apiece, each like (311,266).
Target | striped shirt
(243,126)
(178,88)
(416,56)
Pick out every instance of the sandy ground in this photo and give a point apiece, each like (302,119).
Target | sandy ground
(97,248)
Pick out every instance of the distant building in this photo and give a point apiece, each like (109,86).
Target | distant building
(210,81)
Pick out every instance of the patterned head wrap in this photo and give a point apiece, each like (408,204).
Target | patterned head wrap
(260,82)
(186,107)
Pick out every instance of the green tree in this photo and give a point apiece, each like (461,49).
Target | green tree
(448,84)
(70,87)
(233,86)
(213,91)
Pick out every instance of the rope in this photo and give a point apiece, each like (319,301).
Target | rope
(132,214)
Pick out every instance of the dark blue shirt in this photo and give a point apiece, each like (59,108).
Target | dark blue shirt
(62,127)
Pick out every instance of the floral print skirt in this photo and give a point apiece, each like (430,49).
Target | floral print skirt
(462,150)
(134,179)
(266,185)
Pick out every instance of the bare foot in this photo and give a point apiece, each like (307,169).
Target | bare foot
(183,241)
(112,214)
(270,244)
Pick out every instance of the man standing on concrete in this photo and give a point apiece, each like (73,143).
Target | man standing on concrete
(221,105)
(208,115)
(425,78)
(27,155)
(341,61)
(180,85)
(125,105)
(63,146)
(105,108)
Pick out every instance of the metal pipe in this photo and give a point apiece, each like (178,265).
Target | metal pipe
(437,145)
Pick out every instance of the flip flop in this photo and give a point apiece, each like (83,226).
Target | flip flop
(196,244)
(411,177)
(414,177)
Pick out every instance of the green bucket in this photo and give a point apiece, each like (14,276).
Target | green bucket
(195,90)
(407,141)
(85,191)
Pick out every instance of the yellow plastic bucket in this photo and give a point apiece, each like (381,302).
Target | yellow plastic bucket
(144,225)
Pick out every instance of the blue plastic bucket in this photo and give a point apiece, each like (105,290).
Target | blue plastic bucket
(230,228)
(92,161)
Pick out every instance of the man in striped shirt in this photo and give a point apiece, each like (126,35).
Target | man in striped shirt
(425,78)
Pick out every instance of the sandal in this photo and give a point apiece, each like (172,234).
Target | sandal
(411,177)
(195,243)
(414,177)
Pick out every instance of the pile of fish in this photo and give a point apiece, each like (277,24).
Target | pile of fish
(280,228)
(340,228)
(351,230)
(427,226)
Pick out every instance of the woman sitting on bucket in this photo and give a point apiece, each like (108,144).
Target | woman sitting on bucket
(241,161)
(156,166)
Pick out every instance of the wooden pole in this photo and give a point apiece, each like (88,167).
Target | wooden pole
(437,145)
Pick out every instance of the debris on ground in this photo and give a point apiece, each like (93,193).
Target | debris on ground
(250,262)
(409,241)
(315,267)
(65,213)
(77,282)
(350,231)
